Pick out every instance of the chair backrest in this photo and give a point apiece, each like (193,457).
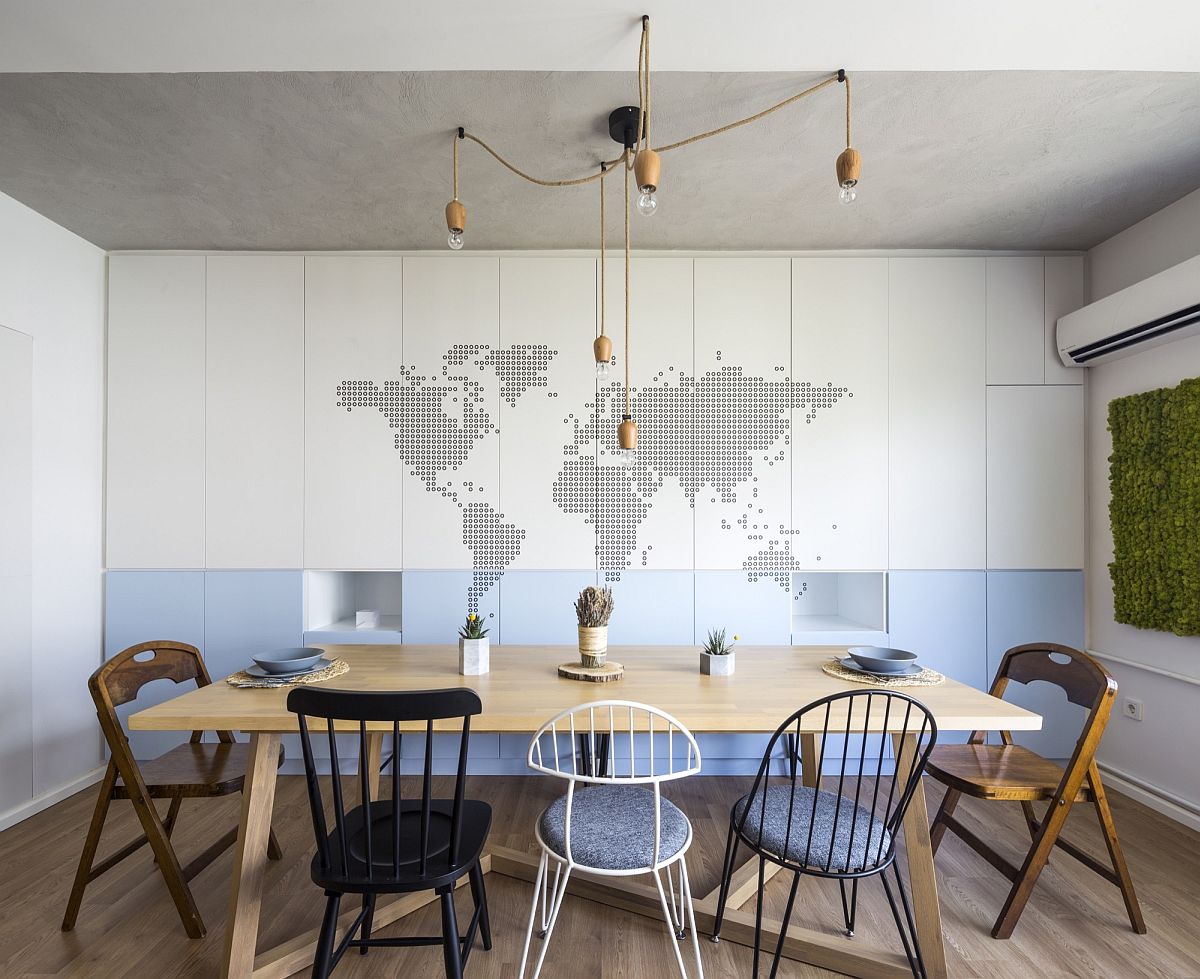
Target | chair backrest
(437,837)
(1084,681)
(671,749)
(614,726)
(864,723)
(119,681)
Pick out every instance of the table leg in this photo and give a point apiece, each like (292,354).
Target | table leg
(250,856)
(810,754)
(374,758)
(922,880)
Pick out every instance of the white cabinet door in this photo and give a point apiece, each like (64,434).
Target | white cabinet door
(1035,495)
(1016,335)
(1064,294)
(255,412)
(448,426)
(744,401)
(937,425)
(840,449)
(16,567)
(547,410)
(644,514)
(353,356)
(155,460)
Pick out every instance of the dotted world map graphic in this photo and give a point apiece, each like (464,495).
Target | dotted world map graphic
(707,434)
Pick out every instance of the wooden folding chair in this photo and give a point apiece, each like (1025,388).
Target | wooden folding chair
(1013,773)
(191,771)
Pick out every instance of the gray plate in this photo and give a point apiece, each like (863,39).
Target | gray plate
(259,673)
(908,670)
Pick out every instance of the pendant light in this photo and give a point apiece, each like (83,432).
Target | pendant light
(602,345)
(647,167)
(627,433)
(456,211)
(630,127)
(849,162)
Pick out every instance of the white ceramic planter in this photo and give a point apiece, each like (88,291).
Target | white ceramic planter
(473,656)
(716,665)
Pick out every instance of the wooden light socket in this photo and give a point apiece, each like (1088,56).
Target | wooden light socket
(627,434)
(456,215)
(602,347)
(849,165)
(646,170)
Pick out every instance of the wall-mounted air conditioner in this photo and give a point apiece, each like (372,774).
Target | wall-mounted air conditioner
(1157,310)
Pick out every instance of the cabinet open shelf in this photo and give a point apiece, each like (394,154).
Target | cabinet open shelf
(839,608)
(332,599)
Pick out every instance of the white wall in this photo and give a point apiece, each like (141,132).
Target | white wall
(1155,756)
(52,289)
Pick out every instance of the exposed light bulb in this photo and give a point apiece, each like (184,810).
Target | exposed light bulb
(626,457)
(602,370)
(847,194)
(455,240)
(647,203)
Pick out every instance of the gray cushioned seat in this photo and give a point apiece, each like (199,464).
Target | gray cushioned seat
(612,827)
(835,819)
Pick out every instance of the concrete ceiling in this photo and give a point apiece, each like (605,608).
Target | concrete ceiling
(360,160)
(599,35)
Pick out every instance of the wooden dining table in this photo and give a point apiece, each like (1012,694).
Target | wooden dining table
(523,690)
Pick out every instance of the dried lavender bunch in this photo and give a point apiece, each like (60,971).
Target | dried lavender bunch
(594,606)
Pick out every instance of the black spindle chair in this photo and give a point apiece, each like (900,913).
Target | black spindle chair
(845,834)
(370,851)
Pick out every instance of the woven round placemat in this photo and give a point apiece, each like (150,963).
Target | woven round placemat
(926,678)
(244,680)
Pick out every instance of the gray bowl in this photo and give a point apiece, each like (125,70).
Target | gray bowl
(294,659)
(881,659)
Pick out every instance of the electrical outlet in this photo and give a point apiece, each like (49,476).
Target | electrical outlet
(1133,708)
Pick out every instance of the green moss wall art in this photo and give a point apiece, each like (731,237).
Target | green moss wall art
(1154,472)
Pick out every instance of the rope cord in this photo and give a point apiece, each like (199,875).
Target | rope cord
(536,180)
(847,83)
(749,119)
(627,290)
(603,168)
(454,139)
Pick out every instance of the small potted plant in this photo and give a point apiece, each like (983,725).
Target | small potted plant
(592,609)
(472,647)
(716,658)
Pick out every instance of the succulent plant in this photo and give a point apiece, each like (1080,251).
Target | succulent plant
(594,606)
(715,644)
(472,628)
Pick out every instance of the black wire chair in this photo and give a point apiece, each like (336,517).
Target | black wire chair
(835,835)
(371,851)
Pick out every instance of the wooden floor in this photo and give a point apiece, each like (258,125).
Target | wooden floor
(1074,926)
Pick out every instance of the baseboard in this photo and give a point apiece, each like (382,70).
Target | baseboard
(44,801)
(1155,798)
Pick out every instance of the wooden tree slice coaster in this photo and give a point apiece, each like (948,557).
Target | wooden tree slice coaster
(592,674)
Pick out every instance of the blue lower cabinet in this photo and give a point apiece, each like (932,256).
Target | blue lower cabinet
(248,612)
(538,607)
(756,611)
(655,608)
(942,616)
(140,606)
(435,604)
(1038,606)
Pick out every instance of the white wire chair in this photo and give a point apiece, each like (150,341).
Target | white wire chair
(604,730)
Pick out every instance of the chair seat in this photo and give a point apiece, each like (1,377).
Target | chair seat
(195,771)
(844,837)
(475,822)
(993,771)
(612,827)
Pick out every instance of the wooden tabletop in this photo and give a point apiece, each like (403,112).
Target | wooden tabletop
(523,690)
